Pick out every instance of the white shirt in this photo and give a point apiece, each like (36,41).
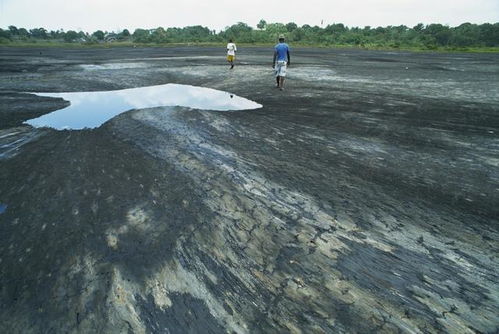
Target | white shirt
(231,49)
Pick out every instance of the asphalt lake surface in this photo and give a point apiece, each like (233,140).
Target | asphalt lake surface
(362,198)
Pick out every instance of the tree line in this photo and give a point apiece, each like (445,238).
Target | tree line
(429,36)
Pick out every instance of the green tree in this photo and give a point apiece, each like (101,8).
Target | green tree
(430,36)
(240,31)
(262,24)
(141,36)
(99,35)
(159,36)
(195,33)
(419,27)
(274,30)
(291,26)
(39,33)
(59,34)
(440,33)
(123,35)
(336,28)
(489,34)
(297,35)
(70,36)
(466,34)
(23,33)
(5,36)
(13,30)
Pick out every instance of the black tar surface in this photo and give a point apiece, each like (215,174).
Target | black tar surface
(362,198)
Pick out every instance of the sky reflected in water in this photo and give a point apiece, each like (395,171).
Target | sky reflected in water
(92,109)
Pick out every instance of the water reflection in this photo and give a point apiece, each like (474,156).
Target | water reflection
(91,109)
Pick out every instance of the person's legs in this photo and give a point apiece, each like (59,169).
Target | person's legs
(278,74)
(282,74)
(281,86)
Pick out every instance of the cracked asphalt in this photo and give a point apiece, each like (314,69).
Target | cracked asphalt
(363,198)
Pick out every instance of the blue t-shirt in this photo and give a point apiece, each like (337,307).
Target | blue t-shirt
(282,51)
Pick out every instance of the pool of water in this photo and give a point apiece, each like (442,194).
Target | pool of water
(89,110)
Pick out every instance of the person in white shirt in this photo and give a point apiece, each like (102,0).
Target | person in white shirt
(231,53)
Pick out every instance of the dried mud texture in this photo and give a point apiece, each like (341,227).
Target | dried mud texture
(361,199)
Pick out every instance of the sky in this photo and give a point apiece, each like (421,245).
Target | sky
(116,15)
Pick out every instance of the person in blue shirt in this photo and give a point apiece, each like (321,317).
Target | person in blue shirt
(281,61)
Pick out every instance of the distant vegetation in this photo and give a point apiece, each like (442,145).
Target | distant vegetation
(432,36)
